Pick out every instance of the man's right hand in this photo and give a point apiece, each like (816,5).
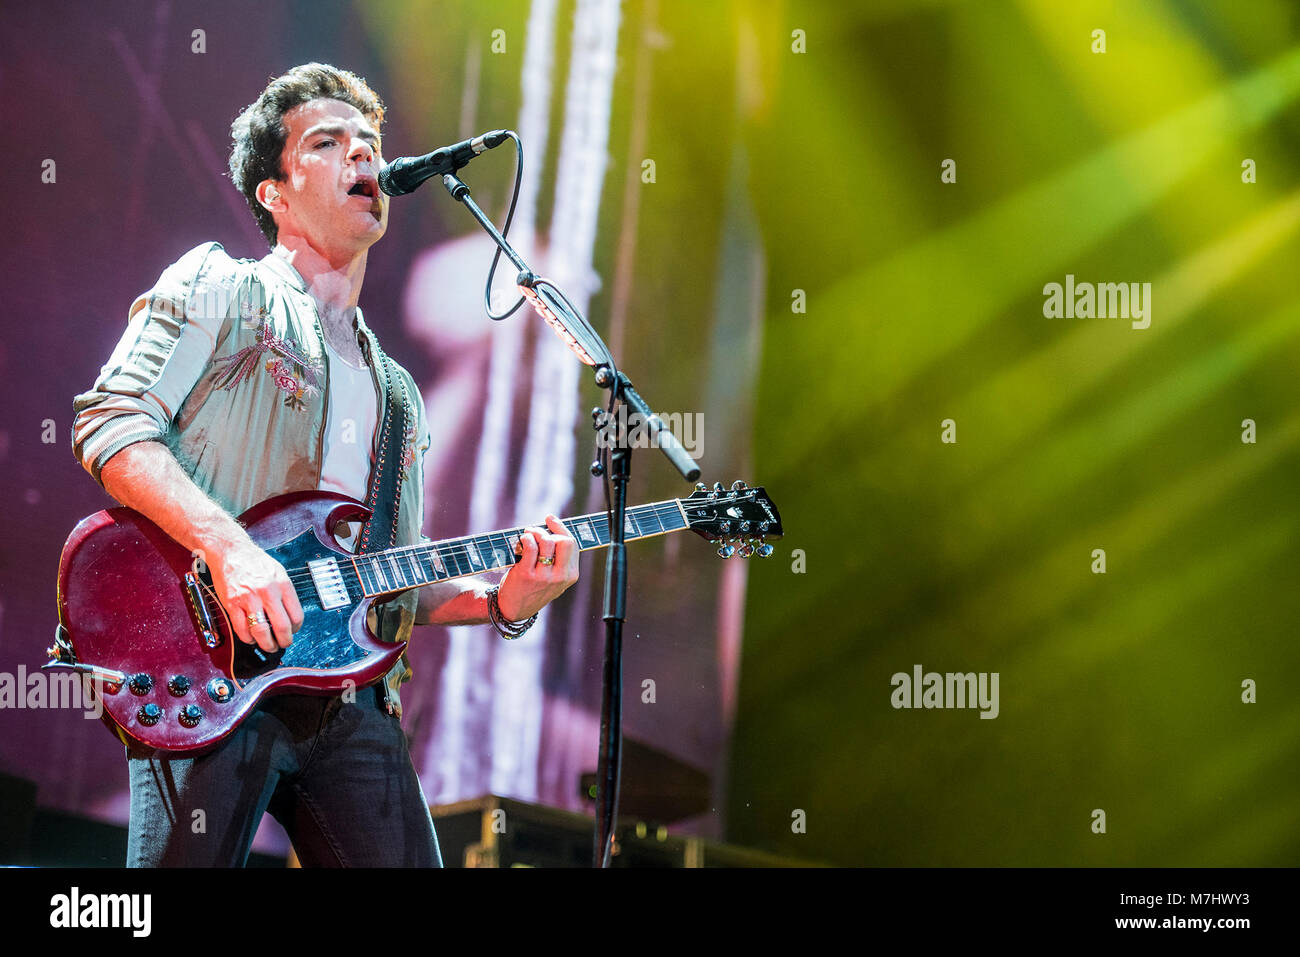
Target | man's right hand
(250,583)
(259,598)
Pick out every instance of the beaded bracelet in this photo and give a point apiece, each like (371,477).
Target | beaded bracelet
(508,629)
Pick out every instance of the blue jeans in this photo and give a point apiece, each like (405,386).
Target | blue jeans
(337,775)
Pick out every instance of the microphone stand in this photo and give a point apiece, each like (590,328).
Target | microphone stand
(554,307)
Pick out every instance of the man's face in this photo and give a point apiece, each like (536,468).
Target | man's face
(330,162)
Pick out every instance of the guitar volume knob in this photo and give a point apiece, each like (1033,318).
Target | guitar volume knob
(149,714)
(191,715)
(178,685)
(140,683)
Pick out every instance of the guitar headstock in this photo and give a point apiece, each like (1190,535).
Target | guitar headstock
(740,518)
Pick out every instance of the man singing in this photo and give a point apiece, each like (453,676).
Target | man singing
(239,380)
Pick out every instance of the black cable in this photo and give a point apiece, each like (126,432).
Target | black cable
(487,290)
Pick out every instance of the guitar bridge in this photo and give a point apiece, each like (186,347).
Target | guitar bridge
(211,638)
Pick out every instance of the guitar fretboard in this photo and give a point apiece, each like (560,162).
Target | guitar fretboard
(411,566)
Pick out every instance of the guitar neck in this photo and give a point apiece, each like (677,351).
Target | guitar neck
(396,569)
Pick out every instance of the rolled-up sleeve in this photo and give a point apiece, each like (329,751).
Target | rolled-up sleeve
(171,334)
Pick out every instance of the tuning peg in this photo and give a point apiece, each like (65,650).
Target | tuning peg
(744,526)
(764,526)
(746,550)
(597,468)
(737,485)
(765,550)
(701,487)
(726,551)
(717,487)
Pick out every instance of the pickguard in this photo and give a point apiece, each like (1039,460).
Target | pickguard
(324,640)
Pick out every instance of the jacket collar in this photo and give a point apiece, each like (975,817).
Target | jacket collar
(282,268)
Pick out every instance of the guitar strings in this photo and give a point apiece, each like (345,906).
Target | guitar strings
(449,546)
(301,575)
(510,537)
(452,554)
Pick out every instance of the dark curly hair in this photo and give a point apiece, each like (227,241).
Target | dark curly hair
(259,131)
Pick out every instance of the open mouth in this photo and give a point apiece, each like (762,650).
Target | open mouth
(364,187)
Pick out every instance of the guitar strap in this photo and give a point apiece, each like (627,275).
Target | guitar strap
(384,496)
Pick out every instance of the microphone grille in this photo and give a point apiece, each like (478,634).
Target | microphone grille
(386,180)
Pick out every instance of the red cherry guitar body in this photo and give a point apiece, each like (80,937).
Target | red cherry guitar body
(127,599)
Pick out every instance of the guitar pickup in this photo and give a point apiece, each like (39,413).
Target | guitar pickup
(327,578)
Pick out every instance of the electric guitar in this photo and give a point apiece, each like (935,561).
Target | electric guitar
(138,614)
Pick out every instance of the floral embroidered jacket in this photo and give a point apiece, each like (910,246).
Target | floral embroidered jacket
(224,361)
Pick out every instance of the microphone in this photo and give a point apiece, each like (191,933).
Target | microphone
(405,173)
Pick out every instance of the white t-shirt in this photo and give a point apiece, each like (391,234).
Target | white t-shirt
(350,425)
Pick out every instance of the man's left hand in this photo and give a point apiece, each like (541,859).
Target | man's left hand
(547,566)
